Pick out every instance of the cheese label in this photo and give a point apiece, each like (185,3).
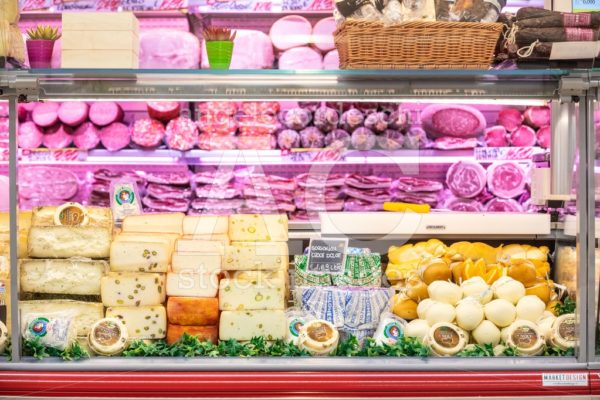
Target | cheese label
(446,337)
(72,214)
(566,329)
(320,332)
(295,325)
(124,199)
(524,337)
(106,333)
(392,331)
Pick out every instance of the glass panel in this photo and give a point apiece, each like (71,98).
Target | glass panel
(5,322)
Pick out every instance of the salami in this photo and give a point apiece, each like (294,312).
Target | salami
(503,205)
(47,183)
(30,136)
(506,179)
(58,136)
(496,136)
(466,179)
(453,120)
(182,134)
(538,116)
(529,17)
(86,136)
(45,114)
(73,113)
(510,118)
(527,36)
(523,136)
(105,113)
(217,125)
(163,110)
(147,133)
(544,136)
(115,136)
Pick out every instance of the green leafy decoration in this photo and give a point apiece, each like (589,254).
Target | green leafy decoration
(510,351)
(478,350)
(566,307)
(7,353)
(556,352)
(34,348)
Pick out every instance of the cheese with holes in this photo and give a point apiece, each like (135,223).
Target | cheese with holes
(128,256)
(69,241)
(244,325)
(157,223)
(146,322)
(205,225)
(218,237)
(203,333)
(133,289)
(95,216)
(193,311)
(251,257)
(192,285)
(86,314)
(169,238)
(239,294)
(258,228)
(71,276)
(196,263)
(199,246)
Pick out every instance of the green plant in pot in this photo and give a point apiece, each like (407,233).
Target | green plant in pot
(219,46)
(40,44)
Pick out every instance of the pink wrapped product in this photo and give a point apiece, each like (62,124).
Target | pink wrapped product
(45,114)
(331,60)
(147,132)
(544,136)
(538,116)
(452,120)
(164,110)
(466,179)
(523,136)
(506,179)
(291,31)
(496,136)
(115,136)
(182,134)
(86,136)
(300,58)
(105,113)
(322,34)
(58,136)
(503,205)
(30,136)
(510,119)
(73,113)
(169,49)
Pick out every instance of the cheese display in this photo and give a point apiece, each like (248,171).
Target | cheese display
(526,337)
(200,246)
(238,295)
(70,276)
(446,339)
(183,284)
(203,333)
(24,224)
(126,256)
(564,332)
(196,263)
(108,337)
(148,237)
(85,313)
(69,241)
(222,238)
(359,270)
(72,214)
(52,329)
(318,337)
(244,325)
(193,311)
(133,289)
(144,322)
(258,228)
(249,256)
(205,225)
(157,223)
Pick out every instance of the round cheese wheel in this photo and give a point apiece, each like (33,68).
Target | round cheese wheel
(446,339)
(501,312)
(108,337)
(417,328)
(444,292)
(564,332)
(509,289)
(476,287)
(469,314)
(3,337)
(526,337)
(530,308)
(319,337)
(486,332)
(71,214)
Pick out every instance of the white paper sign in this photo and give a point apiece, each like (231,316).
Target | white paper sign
(574,50)
(564,379)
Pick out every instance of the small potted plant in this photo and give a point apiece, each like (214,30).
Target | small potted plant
(219,46)
(40,44)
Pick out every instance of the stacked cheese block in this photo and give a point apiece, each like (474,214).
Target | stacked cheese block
(67,247)
(252,298)
(193,282)
(134,291)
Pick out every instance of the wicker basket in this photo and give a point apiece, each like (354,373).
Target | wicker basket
(417,45)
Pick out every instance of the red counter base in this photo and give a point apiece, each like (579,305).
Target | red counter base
(283,384)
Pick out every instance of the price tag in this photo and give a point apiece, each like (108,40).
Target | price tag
(564,379)
(327,256)
(503,153)
(585,6)
(45,155)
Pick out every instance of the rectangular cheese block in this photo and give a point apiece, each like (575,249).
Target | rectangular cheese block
(203,333)
(24,224)
(69,241)
(122,59)
(258,228)
(72,276)
(100,40)
(86,314)
(193,311)
(196,263)
(199,246)
(133,289)
(23,221)
(260,276)
(157,223)
(217,237)
(169,238)
(99,21)
(239,294)
(147,322)
(192,285)
(205,225)
(249,257)
(244,325)
(97,216)
(128,256)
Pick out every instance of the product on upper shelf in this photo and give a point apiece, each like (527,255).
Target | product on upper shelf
(163,111)
(147,133)
(452,120)
(181,134)
(105,113)
(523,136)
(73,113)
(115,136)
(510,119)
(58,136)
(391,140)
(496,136)
(29,135)
(86,136)
(503,205)
(168,49)
(45,114)
(363,139)
(291,31)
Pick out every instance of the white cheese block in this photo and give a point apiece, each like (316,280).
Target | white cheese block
(218,237)
(169,238)
(252,257)
(128,256)
(133,289)
(260,276)
(244,325)
(157,223)
(199,246)
(239,294)
(86,313)
(96,216)
(196,263)
(71,276)
(69,241)
(192,285)
(205,225)
(148,322)
(258,228)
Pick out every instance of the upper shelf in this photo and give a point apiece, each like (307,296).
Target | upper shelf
(519,86)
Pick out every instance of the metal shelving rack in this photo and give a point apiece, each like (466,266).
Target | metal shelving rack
(318,376)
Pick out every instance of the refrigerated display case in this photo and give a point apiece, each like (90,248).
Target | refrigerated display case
(557,203)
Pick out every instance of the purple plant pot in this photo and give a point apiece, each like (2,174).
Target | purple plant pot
(40,53)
